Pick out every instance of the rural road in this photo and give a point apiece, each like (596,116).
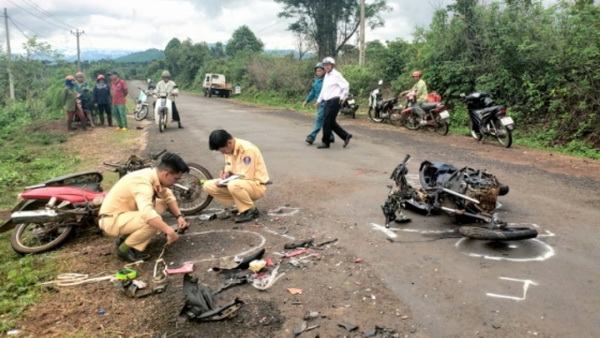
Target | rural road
(545,287)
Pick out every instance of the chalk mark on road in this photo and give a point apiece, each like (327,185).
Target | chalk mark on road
(263,240)
(546,252)
(283,212)
(383,229)
(526,284)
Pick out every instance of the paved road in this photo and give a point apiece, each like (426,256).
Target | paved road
(542,287)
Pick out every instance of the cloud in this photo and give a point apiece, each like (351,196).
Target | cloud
(139,24)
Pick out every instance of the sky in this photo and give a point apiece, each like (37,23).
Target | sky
(142,24)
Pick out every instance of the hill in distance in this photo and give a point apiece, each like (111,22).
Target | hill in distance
(145,56)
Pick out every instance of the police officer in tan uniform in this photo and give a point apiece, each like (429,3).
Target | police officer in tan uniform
(244,159)
(131,209)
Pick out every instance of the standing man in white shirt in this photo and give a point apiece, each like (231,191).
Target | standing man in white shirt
(334,92)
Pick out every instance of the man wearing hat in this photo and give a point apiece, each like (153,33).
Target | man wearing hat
(119,99)
(314,93)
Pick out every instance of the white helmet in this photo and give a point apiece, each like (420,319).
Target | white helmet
(329,60)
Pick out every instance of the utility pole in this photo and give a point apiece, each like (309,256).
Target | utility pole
(11,83)
(361,52)
(77,34)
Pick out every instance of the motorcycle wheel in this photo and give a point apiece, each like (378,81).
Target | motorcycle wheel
(33,238)
(354,112)
(503,135)
(441,126)
(498,234)
(195,199)
(161,121)
(141,113)
(396,119)
(474,134)
(410,122)
(373,117)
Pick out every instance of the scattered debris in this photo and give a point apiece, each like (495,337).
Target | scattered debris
(348,326)
(326,242)
(298,331)
(359,260)
(300,244)
(257,265)
(311,315)
(244,263)
(295,291)
(296,253)
(383,331)
(187,267)
(266,282)
(199,303)
(101,312)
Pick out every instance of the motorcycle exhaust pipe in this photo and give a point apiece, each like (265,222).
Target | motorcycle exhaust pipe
(451,192)
(35,216)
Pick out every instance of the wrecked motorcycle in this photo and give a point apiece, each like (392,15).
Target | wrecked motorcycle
(188,191)
(47,213)
(468,195)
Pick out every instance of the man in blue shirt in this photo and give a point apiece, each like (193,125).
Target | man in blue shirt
(314,93)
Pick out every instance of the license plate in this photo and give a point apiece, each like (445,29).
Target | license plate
(216,92)
(351,101)
(445,114)
(507,120)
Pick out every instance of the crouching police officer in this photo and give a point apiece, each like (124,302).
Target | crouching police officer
(131,210)
(245,160)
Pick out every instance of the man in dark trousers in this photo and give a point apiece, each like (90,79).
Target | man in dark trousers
(101,96)
(334,92)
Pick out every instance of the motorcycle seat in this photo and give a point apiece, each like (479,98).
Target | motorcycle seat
(488,110)
(87,179)
(429,106)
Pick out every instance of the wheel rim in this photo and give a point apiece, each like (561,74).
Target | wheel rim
(441,126)
(195,196)
(372,114)
(37,236)
(396,118)
(410,122)
(502,134)
(474,134)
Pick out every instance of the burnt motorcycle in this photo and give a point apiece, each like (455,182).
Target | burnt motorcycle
(487,119)
(47,213)
(191,197)
(433,115)
(349,107)
(468,195)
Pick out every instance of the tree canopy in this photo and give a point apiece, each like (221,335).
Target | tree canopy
(243,39)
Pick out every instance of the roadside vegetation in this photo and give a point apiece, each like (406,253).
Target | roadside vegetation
(542,61)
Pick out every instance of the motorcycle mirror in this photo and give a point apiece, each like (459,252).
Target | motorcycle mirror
(462,95)
(380,82)
(148,81)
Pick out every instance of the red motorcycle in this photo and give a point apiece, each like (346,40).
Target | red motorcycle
(434,115)
(47,213)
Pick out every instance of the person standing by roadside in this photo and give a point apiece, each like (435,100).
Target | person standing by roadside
(166,86)
(334,92)
(101,96)
(82,88)
(312,95)
(68,100)
(119,92)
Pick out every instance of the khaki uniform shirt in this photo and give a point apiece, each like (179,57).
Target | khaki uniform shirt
(137,191)
(248,161)
(163,87)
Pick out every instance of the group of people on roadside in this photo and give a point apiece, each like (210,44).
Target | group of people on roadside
(90,105)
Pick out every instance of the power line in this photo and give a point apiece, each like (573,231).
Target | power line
(19,28)
(47,14)
(39,17)
(15,22)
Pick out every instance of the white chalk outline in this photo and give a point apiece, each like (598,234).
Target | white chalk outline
(263,240)
(526,283)
(283,214)
(424,231)
(276,233)
(550,252)
(383,229)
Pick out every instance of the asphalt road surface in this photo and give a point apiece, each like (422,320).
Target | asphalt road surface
(455,287)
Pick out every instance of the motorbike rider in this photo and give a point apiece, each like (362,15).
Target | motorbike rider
(420,89)
(131,211)
(166,86)
(312,95)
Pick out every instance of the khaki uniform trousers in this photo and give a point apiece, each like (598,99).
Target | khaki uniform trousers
(241,192)
(131,224)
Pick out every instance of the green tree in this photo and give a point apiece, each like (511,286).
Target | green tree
(218,50)
(243,39)
(331,23)
(172,56)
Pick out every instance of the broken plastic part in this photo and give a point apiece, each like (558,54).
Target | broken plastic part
(245,262)
(187,267)
(348,326)
(300,244)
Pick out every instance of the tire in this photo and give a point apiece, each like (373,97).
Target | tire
(227,95)
(354,112)
(195,199)
(24,244)
(442,126)
(205,93)
(499,234)
(396,119)
(372,116)
(410,122)
(141,114)
(161,121)
(209,93)
(477,136)
(504,135)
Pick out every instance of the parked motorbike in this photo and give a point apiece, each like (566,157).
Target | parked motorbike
(47,213)
(188,191)
(468,195)
(142,107)
(435,115)
(381,110)
(487,119)
(349,107)
(163,111)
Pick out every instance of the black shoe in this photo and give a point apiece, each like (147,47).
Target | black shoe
(179,125)
(347,140)
(332,141)
(309,141)
(132,255)
(323,146)
(247,216)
